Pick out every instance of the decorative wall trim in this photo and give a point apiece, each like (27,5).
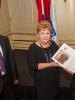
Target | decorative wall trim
(70,42)
(6,33)
(23,40)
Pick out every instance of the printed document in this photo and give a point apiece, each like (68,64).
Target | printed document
(65,57)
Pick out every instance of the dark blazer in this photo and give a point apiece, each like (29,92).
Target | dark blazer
(1,84)
(10,66)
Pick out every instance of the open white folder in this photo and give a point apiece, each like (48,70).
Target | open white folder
(65,57)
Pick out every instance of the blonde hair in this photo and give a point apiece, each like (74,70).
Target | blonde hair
(43,25)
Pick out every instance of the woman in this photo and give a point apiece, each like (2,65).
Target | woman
(46,72)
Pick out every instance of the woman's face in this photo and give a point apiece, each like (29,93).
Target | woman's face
(44,36)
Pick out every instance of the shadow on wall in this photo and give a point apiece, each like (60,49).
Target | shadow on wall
(26,89)
(23,68)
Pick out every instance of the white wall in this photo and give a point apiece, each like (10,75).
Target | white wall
(19,17)
(4,18)
(66,20)
(22,15)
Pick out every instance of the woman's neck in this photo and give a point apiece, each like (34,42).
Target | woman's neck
(44,45)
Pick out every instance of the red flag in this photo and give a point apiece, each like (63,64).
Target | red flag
(0,3)
(39,6)
(47,4)
(43,5)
